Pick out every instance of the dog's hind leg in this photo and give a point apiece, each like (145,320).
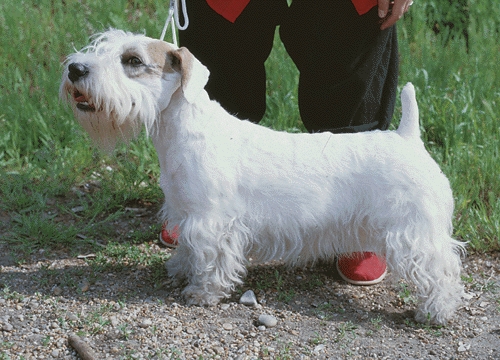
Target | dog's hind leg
(434,267)
(441,291)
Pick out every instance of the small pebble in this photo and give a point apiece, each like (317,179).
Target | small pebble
(146,323)
(319,348)
(78,209)
(467,296)
(114,321)
(57,291)
(85,287)
(72,317)
(268,320)
(248,298)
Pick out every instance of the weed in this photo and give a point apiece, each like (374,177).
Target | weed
(96,322)
(317,339)
(125,331)
(344,329)
(467,279)
(7,294)
(46,340)
(311,283)
(173,352)
(283,352)
(434,330)
(283,295)
(35,231)
(286,296)
(326,311)
(63,324)
(157,271)
(264,282)
(486,285)
(376,322)
(405,294)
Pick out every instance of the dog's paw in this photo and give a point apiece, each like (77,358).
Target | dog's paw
(195,295)
(427,318)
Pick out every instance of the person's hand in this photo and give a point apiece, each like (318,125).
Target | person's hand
(391,11)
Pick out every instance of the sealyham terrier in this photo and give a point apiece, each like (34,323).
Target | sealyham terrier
(240,192)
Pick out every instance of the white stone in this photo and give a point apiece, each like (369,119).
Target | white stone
(268,320)
(319,348)
(146,323)
(248,298)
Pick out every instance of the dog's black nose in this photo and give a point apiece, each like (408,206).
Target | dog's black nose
(77,71)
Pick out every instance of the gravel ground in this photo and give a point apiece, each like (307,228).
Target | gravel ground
(121,313)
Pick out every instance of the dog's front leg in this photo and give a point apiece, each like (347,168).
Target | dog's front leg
(212,265)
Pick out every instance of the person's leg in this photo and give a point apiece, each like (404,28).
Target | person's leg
(348,67)
(348,81)
(234,53)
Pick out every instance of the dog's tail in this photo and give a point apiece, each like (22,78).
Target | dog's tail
(409,126)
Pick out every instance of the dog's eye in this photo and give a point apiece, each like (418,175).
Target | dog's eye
(133,60)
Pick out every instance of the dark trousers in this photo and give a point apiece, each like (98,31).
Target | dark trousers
(348,67)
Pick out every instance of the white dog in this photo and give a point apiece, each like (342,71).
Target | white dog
(239,190)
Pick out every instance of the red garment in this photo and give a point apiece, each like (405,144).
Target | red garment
(363,6)
(231,9)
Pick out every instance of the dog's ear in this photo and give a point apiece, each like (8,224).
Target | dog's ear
(194,75)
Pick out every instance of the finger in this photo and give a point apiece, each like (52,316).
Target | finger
(397,12)
(383,8)
(410,3)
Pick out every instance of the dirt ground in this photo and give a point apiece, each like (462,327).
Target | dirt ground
(122,311)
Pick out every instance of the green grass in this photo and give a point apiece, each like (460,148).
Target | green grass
(459,97)
(48,166)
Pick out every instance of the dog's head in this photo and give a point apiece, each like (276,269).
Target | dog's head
(122,80)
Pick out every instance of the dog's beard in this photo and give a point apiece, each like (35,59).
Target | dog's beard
(106,114)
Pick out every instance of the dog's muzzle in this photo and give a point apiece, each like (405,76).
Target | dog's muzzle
(77,71)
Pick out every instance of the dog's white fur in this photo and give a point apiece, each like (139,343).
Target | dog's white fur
(240,191)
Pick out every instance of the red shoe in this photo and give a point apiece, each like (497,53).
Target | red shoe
(362,268)
(169,239)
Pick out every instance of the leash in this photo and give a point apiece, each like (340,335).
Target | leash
(173,17)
